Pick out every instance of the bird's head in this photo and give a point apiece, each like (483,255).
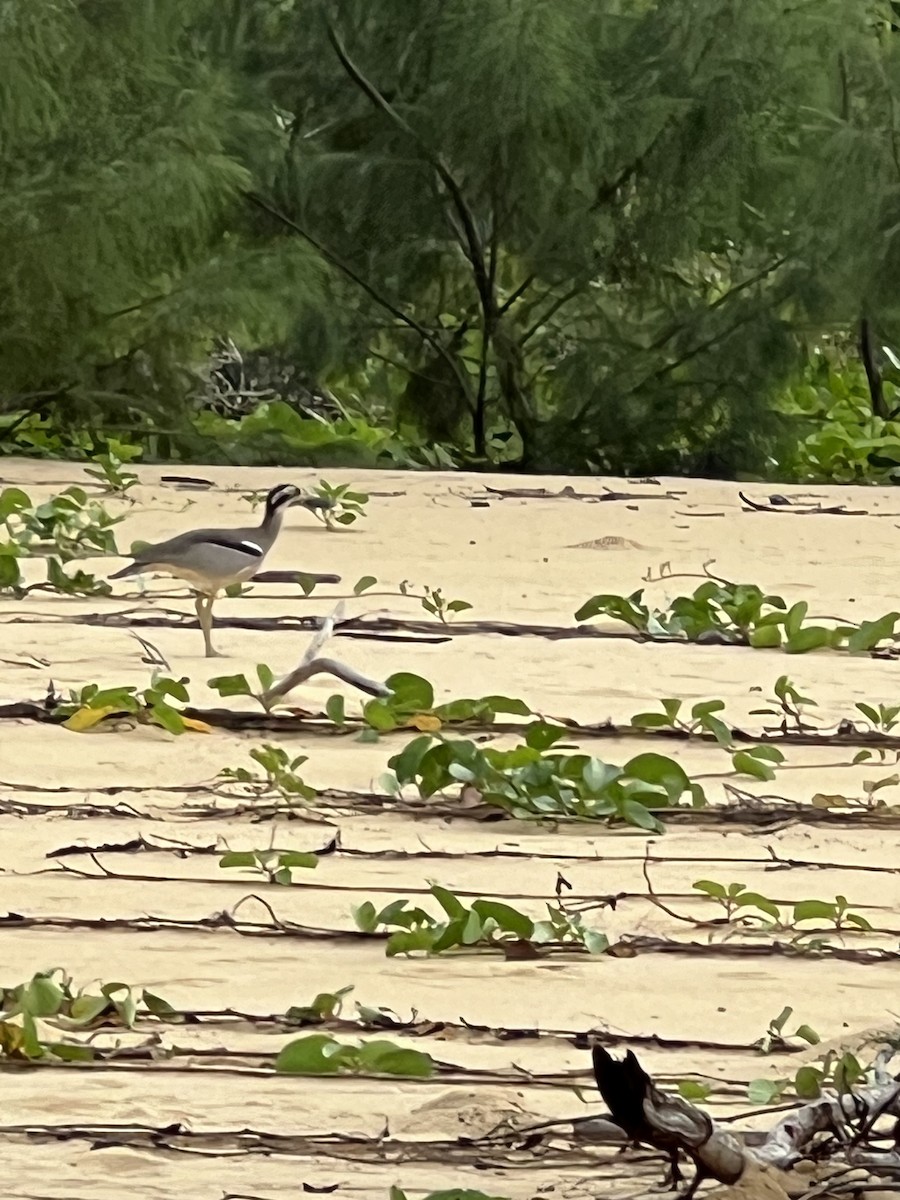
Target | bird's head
(286,495)
(282,496)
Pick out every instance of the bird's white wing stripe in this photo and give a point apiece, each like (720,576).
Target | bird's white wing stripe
(252,547)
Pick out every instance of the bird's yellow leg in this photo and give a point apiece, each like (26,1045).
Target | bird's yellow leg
(204,604)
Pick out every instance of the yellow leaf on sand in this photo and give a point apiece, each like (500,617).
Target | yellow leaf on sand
(425,722)
(87,718)
(197,726)
(12,1041)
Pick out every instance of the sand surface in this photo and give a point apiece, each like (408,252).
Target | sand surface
(201,1114)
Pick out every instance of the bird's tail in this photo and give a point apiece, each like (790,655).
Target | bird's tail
(133,568)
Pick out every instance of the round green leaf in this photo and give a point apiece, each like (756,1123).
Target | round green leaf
(765,1091)
(448,901)
(635,813)
(813,637)
(42,997)
(765,637)
(661,771)
(389,1059)
(307,1056)
(378,714)
(238,858)
(85,1009)
(508,918)
(410,693)
(298,858)
(814,910)
(710,888)
(808,1083)
(407,763)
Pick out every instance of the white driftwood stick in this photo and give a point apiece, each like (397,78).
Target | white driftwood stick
(785,1143)
(326,666)
(325,633)
(310,664)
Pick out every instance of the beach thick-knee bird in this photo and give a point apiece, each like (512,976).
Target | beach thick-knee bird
(210,560)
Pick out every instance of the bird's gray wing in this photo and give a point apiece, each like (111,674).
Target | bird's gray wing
(212,551)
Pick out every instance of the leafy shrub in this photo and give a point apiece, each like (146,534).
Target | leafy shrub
(741,614)
(841,439)
(64,528)
(486,924)
(528,782)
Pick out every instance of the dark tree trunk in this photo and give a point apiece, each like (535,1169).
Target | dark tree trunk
(873,374)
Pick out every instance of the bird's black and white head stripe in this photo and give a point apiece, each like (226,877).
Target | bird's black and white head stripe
(280,497)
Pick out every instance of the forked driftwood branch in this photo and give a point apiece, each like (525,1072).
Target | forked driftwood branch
(676,1127)
(310,664)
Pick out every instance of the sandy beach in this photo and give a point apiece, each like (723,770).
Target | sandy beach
(200,1113)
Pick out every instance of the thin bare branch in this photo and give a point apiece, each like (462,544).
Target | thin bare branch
(330,256)
(472,241)
(482,260)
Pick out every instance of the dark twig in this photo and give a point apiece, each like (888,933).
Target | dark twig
(425,334)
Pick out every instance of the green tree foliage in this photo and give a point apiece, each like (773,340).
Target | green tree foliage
(569,223)
(121,179)
(572,234)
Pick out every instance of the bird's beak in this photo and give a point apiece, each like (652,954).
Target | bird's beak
(313,503)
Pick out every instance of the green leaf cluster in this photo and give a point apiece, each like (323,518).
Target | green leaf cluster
(529,781)
(734,898)
(66,527)
(411,704)
(485,924)
(280,773)
(322,1054)
(741,614)
(49,997)
(91,704)
(275,866)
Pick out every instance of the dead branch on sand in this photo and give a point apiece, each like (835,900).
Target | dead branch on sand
(310,664)
(839,1129)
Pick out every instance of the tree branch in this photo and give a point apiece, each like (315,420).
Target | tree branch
(866,346)
(473,245)
(470,239)
(329,255)
(607,191)
(667,368)
(516,295)
(553,309)
(749,282)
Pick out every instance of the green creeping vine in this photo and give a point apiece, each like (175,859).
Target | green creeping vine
(48,997)
(485,925)
(529,781)
(68,526)
(322,1054)
(737,901)
(740,614)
